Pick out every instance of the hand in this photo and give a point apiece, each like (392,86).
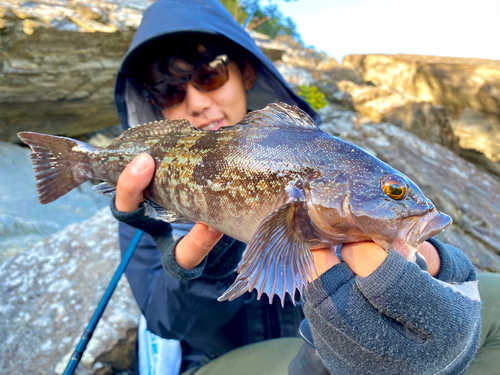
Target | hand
(365,257)
(194,247)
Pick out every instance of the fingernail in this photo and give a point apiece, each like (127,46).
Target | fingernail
(210,229)
(139,164)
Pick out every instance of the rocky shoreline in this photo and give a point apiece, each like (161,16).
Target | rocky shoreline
(436,119)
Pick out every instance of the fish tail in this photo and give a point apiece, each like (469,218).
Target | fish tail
(60,164)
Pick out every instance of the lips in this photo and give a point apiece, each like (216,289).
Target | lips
(213,125)
(424,227)
(437,223)
(416,230)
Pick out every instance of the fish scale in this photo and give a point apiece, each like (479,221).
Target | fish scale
(274,181)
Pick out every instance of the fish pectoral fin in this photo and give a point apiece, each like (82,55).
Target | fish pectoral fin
(277,260)
(105,189)
(159,213)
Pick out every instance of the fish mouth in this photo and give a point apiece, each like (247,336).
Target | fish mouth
(435,225)
(418,230)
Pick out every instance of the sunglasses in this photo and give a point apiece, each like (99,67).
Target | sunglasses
(207,77)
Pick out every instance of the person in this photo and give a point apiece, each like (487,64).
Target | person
(369,311)
(184,306)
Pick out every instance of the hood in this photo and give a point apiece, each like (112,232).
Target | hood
(169,17)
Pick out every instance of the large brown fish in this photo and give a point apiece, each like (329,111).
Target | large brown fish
(274,181)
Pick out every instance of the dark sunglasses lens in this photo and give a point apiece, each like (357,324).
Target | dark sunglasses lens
(211,76)
(167,96)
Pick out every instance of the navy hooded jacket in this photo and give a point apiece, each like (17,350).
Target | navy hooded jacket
(166,18)
(188,310)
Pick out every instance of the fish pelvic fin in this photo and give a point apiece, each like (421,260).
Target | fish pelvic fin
(277,260)
(160,213)
(105,188)
(60,164)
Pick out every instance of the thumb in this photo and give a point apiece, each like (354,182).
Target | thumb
(132,182)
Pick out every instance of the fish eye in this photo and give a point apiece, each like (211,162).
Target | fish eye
(394,187)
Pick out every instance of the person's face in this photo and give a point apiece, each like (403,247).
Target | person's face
(222,107)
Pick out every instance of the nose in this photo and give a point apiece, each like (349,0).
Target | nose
(196,101)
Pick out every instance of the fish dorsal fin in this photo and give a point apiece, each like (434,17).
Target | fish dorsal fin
(155,129)
(277,259)
(281,114)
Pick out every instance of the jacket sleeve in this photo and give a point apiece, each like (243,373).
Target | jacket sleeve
(175,309)
(399,320)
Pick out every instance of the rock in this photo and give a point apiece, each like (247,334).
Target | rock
(450,81)
(298,55)
(372,101)
(295,75)
(60,60)
(49,293)
(478,131)
(305,66)
(468,194)
(381,104)
(467,89)
(427,121)
(273,49)
(23,220)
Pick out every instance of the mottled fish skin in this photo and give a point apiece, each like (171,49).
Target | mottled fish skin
(274,181)
(231,179)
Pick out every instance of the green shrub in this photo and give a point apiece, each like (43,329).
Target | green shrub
(313,96)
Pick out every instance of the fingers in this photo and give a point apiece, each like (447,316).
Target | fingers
(431,256)
(194,247)
(363,257)
(324,259)
(132,182)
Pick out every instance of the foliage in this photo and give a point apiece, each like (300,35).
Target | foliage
(267,19)
(234,7)
(313,96)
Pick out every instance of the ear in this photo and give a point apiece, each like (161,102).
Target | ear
(249,75)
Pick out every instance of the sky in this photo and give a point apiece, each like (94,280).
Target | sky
(459,28)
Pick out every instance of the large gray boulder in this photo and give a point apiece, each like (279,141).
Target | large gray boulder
(48,295)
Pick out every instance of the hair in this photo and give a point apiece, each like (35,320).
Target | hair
(193,48)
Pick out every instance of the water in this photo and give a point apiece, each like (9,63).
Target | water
(23,220)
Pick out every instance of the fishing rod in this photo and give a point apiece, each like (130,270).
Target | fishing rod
(87,334)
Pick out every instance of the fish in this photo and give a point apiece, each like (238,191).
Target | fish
(274,181)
